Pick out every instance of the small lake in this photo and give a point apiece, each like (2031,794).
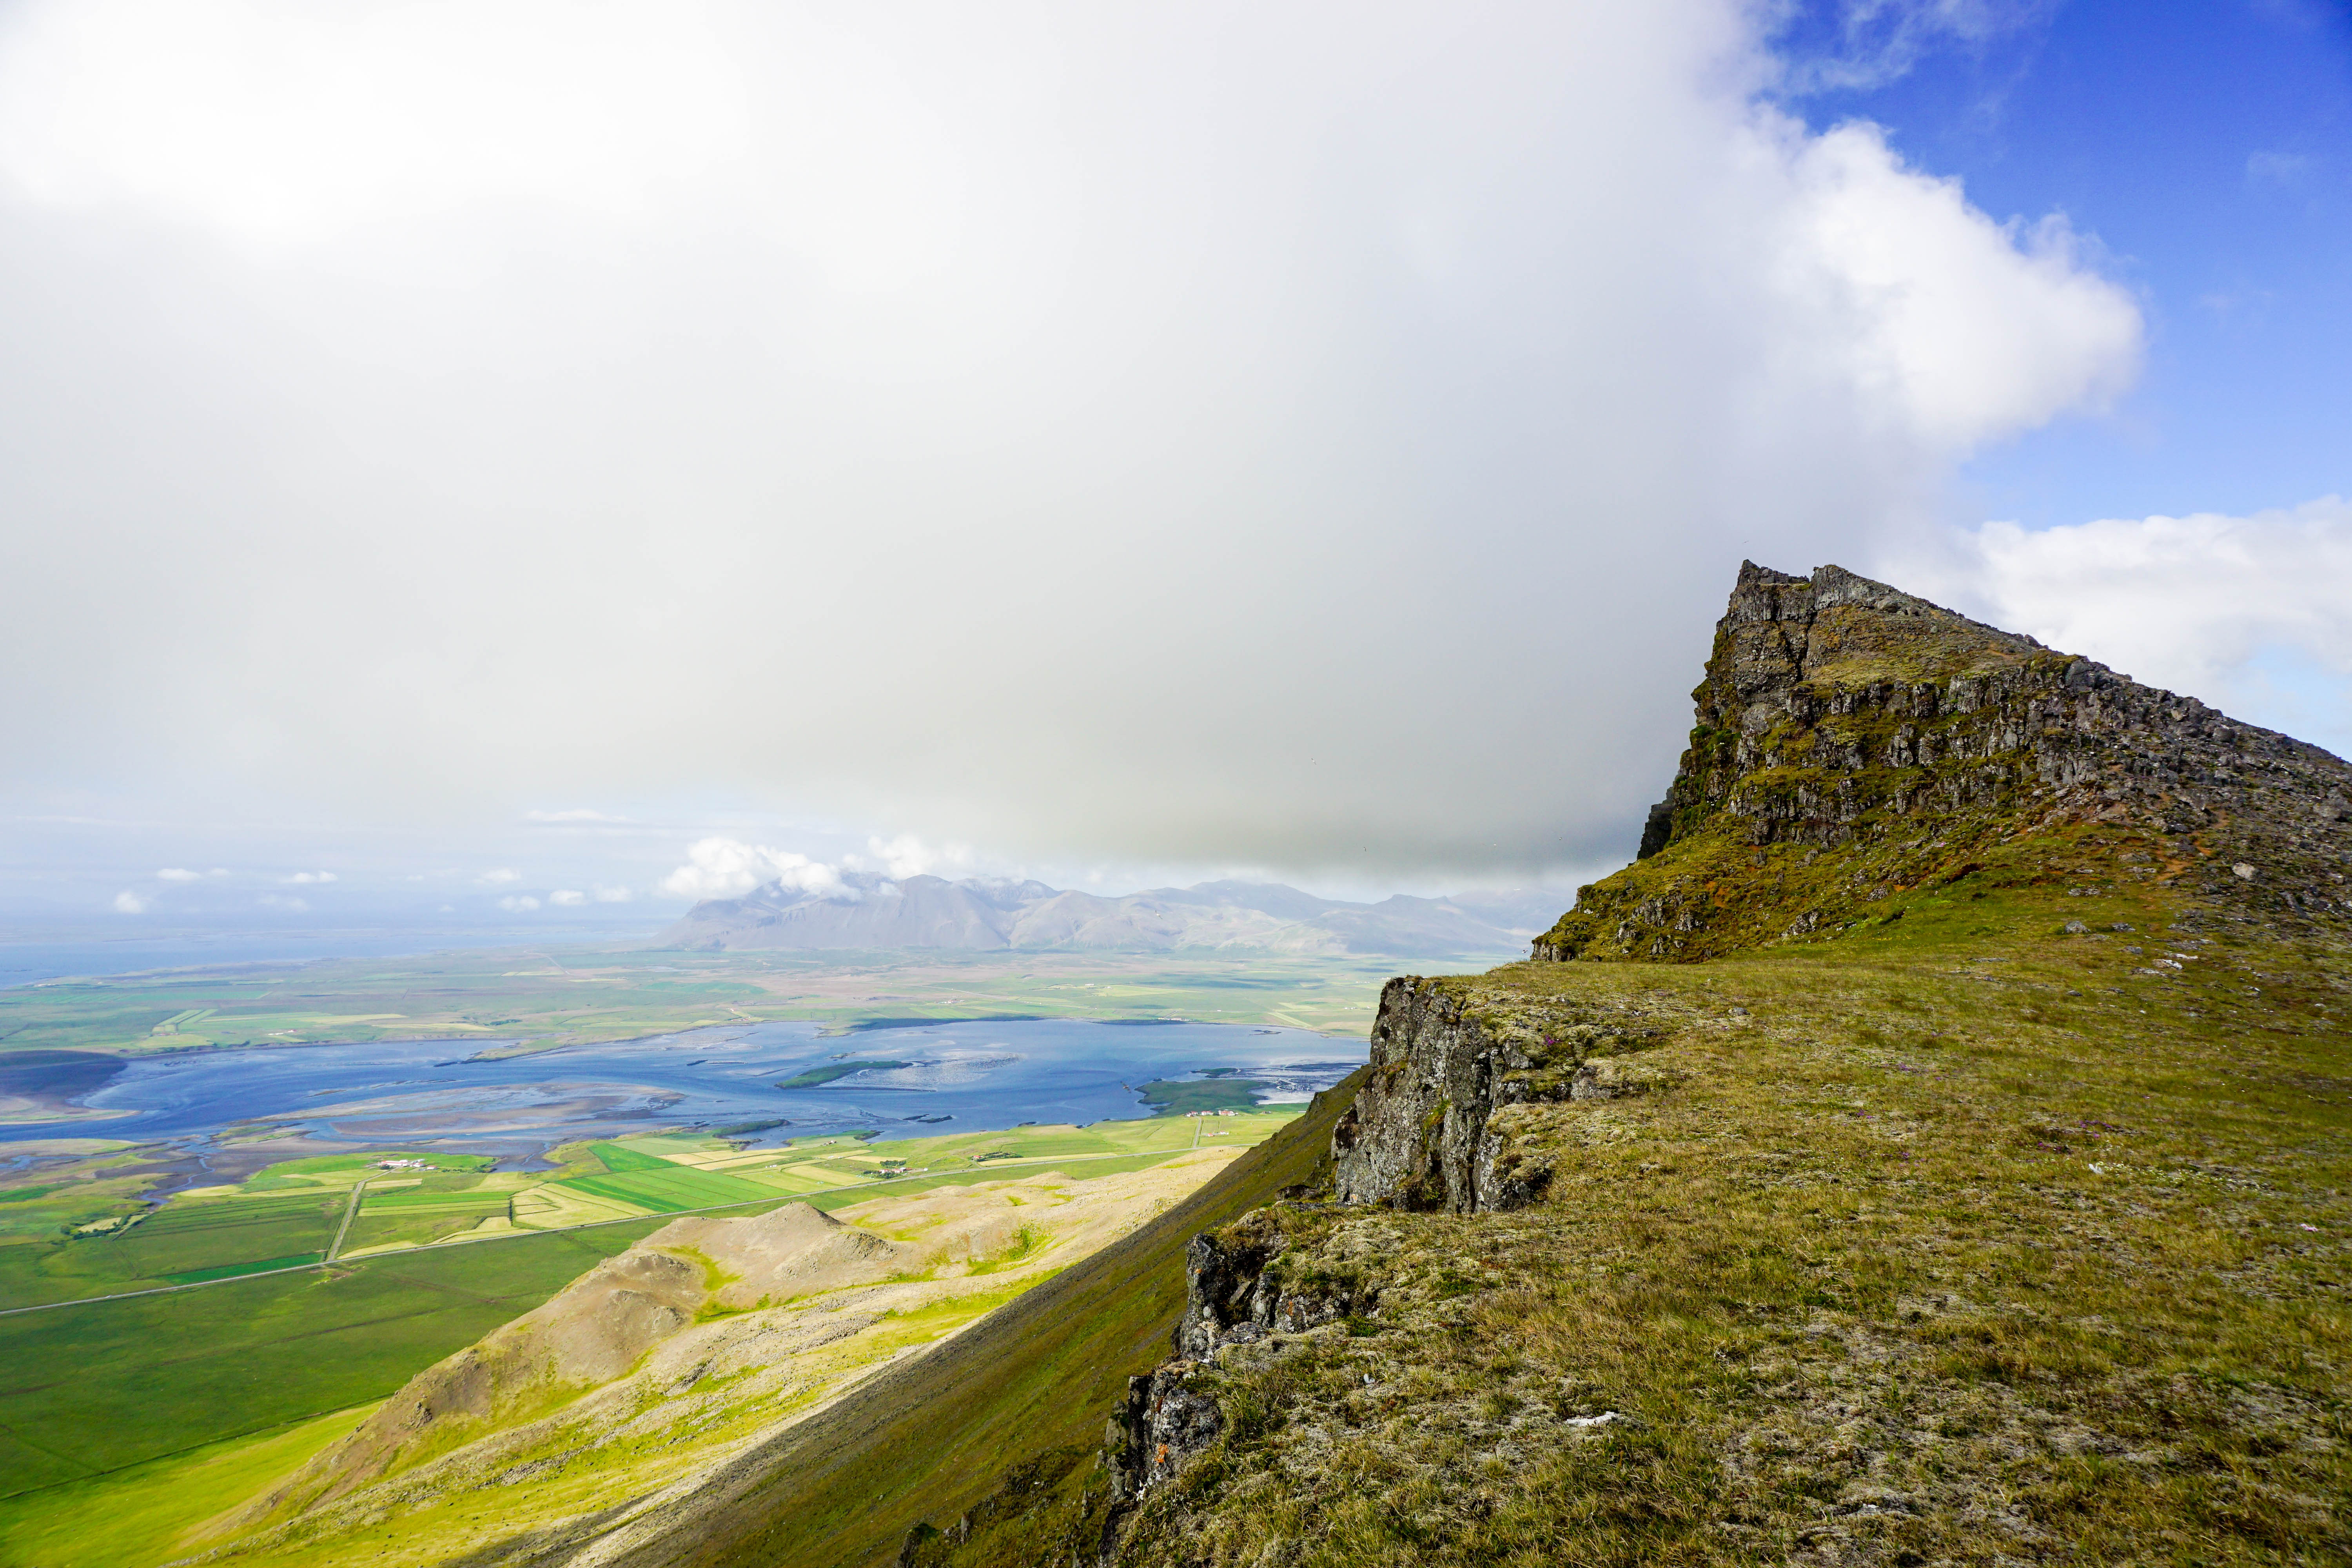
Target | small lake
(957,1077)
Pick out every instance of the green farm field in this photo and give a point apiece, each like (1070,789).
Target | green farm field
(166,1373)
(98,1386)
(133,1515)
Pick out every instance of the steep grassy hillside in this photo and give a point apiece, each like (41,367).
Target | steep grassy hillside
(1971,1185)
(1026,1387)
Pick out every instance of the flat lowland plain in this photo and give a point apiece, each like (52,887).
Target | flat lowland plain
(93,1239)
(219,1391)
(520,1001)
(91,1385)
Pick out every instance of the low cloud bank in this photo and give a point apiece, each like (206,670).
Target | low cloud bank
(719,867)
(2252,614)
(1175,436)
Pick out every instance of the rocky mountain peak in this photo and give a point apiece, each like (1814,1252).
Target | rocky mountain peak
(1853,743)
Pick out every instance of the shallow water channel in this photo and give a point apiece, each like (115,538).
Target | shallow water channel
(957,1077)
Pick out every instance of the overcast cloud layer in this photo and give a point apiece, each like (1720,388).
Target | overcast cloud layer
(1312,436)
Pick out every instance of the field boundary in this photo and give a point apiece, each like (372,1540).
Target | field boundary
(777,1199)
(350,1213)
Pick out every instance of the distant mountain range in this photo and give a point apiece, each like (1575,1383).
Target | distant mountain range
(873,911)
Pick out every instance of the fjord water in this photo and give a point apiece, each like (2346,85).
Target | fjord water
(961,1076)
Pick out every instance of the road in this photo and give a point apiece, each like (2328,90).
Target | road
(351,1211)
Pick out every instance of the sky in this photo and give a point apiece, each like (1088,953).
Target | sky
(540,462)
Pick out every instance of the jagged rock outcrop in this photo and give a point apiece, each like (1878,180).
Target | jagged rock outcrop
(1435,1124)
(1163,1426)
(1237,1291)
(1853,743)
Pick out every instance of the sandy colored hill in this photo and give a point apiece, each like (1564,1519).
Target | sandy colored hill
(710,1335)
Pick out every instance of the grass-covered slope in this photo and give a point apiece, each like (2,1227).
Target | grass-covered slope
(1028,1387)
(1971,1183)
(1961,1240)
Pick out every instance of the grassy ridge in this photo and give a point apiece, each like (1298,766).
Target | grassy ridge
(927,1439)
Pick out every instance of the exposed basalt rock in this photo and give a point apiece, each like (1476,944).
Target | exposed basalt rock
(1163,1426)
(1432,1128)
(1852,742)
(1237,1291)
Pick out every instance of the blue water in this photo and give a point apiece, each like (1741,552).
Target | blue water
(967,1077)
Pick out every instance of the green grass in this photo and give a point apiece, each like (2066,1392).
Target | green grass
(32,1223)
(420,1217)
(665,1188)
(94,1387)
(1961,1239)
(616,1159)
(136,1515)
(235,1270)
(181,1369)
(931,1435)
(183,1239)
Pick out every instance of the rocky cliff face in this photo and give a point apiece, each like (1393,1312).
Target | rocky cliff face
(1457,1073)
(1853,742)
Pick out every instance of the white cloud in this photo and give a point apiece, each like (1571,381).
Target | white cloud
(1968,329)
(284,901)
(614,895)
(2276,168)
(309,879)
(178,874)
(1877,41)
(518,901)
(503,874)
(719,867)
(1133,465)
(2252,614)
(353,114)
(907,856)
(127,902)
(567,896)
